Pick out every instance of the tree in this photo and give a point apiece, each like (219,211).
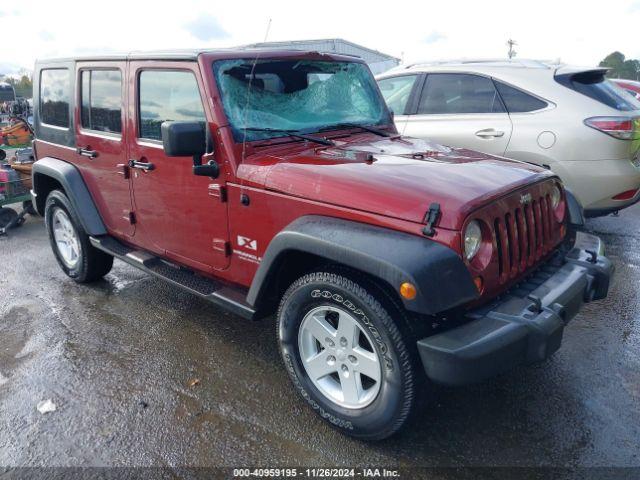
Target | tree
(23,86)
(620,67)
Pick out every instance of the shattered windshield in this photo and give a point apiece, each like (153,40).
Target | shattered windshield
(268,97)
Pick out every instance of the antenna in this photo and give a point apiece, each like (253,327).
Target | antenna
(512,53)
(246,106)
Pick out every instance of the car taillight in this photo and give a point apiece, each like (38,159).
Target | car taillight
(628,195)
(624,128)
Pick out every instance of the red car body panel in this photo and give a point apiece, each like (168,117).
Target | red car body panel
(285,179)
(398,186)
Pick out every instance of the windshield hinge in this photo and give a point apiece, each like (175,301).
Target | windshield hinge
(430,219)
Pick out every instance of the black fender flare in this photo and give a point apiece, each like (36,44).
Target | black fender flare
(574,209)
(74,187)
(441,278)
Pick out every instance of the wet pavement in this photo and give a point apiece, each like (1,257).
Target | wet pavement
(119,359)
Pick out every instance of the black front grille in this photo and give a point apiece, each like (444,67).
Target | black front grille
(524,235)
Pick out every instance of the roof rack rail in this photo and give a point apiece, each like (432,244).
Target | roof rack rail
(494,62)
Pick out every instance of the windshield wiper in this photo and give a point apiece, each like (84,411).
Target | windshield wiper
(292,133)
(367,128)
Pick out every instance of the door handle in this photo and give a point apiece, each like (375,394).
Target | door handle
(489,132)
(141,165)
(86,152)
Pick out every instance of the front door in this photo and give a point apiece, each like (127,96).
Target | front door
(461,110)
(101,142)
(177,214)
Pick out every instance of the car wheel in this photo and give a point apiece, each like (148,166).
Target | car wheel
(70,243)
(342,346)
(7,215)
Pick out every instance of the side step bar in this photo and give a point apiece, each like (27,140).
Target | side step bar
(230,298)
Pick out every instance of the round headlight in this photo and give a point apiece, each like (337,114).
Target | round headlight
(472,239)
(556,196)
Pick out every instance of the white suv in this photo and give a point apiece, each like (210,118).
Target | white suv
(571,120)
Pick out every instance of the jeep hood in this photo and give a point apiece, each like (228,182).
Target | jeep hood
(400,178)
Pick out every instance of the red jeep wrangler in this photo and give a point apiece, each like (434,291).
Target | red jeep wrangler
(275,182)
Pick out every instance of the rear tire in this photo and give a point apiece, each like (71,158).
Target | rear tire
(70,243)
(7,215)
(323,361)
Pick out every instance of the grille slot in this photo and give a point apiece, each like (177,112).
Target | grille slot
(524,235)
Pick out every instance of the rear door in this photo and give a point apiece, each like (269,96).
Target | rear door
(101,142)
(178,215)
(461,110)
(399,93)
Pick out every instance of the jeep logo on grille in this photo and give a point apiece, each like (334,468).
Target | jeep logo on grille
(525,199)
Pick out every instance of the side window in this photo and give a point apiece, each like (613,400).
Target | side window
(102,100)
(451,93)
(54,97)
(396,92)
(518,101)
(167,95)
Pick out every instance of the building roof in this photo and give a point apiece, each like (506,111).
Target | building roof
(332,44)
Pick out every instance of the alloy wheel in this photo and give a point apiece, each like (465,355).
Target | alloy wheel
(339,357)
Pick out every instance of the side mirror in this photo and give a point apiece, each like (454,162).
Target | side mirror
(183,139)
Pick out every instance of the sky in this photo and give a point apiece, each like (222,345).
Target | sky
(575,32)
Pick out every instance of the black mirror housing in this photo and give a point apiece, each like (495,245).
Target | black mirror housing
(184,139)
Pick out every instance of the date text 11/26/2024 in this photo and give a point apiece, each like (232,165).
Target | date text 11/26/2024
(316,472)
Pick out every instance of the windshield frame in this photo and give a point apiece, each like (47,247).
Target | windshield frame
(385,120)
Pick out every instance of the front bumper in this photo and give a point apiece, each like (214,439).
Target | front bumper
(526,325)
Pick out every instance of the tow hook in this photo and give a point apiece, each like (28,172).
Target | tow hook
(537,304)
(593,256)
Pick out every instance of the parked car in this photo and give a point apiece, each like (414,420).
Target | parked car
(568,119)
(277,184)
(632,87)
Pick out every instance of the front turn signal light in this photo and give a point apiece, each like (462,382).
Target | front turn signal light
(408,291)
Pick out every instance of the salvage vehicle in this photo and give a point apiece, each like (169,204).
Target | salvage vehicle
(631,86)
(7,93)
(18,132)
(275,182)
(571,120)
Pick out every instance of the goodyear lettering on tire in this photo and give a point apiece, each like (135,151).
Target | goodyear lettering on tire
(336,297)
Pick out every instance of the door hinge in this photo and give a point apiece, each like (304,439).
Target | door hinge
(223,246)
(217,190)
(132,218)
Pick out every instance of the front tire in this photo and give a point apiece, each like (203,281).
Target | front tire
(342,346)
(70,243)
